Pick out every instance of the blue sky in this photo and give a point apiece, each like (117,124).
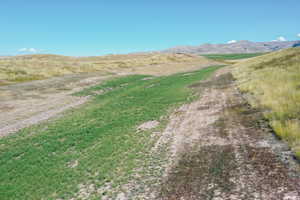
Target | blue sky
(97,27)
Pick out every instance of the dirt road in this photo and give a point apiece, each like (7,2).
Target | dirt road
(220,148)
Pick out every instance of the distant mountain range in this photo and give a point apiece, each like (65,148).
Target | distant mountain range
(243,46)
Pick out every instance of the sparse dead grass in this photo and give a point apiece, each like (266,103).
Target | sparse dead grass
(36,67)
(274,81)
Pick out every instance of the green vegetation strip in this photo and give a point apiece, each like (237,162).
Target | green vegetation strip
(92,144)
(232,56)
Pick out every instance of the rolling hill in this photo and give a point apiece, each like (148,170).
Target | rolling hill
(24,68)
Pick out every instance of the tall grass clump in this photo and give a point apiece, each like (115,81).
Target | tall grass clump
(273,81)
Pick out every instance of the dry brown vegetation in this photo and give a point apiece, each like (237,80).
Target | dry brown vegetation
(274,82)
(35,67)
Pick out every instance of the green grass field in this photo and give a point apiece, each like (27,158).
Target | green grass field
(93,144)
(232,56)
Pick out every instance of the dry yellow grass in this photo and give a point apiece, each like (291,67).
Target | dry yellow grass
(34,67)
(274,82)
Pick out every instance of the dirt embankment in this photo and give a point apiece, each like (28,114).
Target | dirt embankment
(220,148)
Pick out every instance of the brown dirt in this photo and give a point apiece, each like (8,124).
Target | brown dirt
(224,150)
(220,148)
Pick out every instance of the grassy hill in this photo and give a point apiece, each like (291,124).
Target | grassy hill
(273,80)
(35,67)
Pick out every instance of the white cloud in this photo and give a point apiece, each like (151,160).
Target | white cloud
(28,50)
(298,34)
(231,41)
(280,39)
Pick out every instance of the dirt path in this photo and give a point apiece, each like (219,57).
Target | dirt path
(219,148)
(222,149)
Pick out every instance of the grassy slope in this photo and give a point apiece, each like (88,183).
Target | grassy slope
(274,81)
(232,56)
(35,67)
(36,162)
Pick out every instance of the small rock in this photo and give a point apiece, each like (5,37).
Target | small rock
(98,92)
(121,196)
(148,125)
(73,164)
(147,78)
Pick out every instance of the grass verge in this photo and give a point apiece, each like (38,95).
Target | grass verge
(273,80)
(232,56)
(91,145)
